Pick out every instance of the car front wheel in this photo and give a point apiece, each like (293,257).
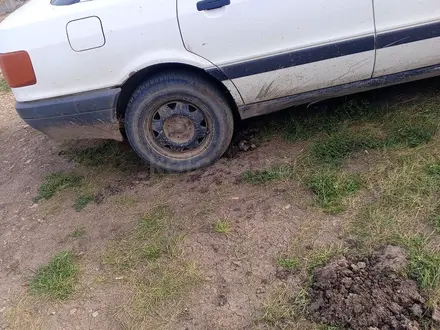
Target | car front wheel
(179,122)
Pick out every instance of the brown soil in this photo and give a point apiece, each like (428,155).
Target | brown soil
(239,269)
(368,293)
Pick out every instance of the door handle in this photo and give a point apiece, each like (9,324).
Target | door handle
(212,4)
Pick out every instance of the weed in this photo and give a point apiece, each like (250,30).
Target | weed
(435,221)
(150,240)
(57,279)
(287,263)
(327,327)
(338,146)
(82,201)
(331,187)
(278,309)
(151,260)
(57,181)
(152,252)
(424,266)
(306,123)
(222,227)
(273,174)
(433,169)
(320,257)
(79,232)
(3,86)
(410,132)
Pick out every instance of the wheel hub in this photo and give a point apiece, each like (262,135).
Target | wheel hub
(179,129)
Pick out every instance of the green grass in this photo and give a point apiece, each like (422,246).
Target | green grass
(276,173)
(327,327)
(433,169)
(330,189)
(152,252)
(435,222)
(337,146)
(306,123)
(82,201)
(79,232)
(281,311)
(57,181)
(424,265)
(287,263)
(400,185)
(57,279)
(150,259)
(222,227)
(411,129)
(3,86)
(152,239)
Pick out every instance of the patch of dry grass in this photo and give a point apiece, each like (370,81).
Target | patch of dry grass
(150,260)
(26,314)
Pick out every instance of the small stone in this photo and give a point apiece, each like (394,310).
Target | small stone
(221,300)
(53,313)
(72,311)
(243,146)
(28,161)
(288,206)
(260,290)
(119,278)
(361,265)
(347,282)
(236,263)
(253,146)
(34,205)
(436,314)
(416,310)
(95,314)
(2,309)
(354,267)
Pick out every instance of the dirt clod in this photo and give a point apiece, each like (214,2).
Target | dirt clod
(367,294)
(245,140)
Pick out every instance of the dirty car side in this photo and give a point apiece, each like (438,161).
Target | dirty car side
(88,57)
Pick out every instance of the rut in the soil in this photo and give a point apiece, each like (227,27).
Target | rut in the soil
(368,294)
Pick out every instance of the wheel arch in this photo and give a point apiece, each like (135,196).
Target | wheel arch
(130,85)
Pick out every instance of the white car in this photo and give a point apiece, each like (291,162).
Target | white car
(175,74)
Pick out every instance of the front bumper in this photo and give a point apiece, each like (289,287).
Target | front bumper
(90,115)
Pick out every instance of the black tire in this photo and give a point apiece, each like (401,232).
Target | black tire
(179,121)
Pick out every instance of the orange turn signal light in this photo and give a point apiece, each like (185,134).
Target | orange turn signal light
(17,69)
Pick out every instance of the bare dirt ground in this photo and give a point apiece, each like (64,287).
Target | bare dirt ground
(238,269)
(238,242)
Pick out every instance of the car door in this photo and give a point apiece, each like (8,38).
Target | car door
(408,35)
(275,48)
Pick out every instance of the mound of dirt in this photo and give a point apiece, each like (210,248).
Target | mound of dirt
(368,294)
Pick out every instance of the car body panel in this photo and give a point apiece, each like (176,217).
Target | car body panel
(268,54)
(298,47)
(138,34)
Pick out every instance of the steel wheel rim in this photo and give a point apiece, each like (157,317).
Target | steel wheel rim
(178,129)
